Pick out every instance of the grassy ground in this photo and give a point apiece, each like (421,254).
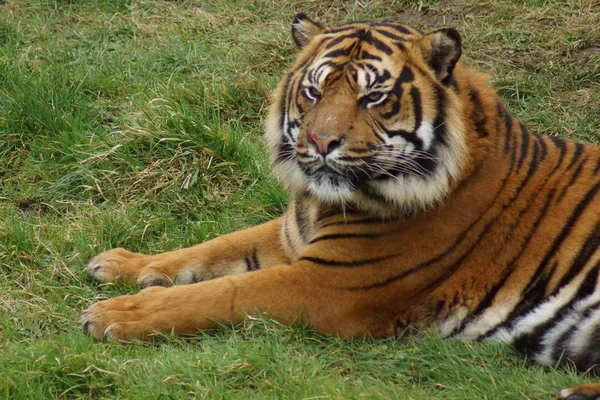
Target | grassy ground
(138,124)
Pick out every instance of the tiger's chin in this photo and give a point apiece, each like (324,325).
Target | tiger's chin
(331,189)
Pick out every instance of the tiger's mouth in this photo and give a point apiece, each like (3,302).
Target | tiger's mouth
(324,170)
(331,182)
(333,175)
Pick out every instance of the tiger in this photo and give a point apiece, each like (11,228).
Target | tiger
(418,203)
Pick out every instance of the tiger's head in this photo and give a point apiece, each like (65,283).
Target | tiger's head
(367,117)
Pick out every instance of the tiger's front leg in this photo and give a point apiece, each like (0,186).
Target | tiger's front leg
(251,249)
(286,293)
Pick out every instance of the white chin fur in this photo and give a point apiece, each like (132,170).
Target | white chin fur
(329,193)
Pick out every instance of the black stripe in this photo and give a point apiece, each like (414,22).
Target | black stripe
(255,260)
(348,81)
(301,78)
(533,164)
(345,52)
(560,344)
(578,149)
(354,222)
(288,237)
(318,71)
(543,145)
(399,45)
(337,236)
(559,143)
(248,264)
(429,164)
(531,343)
(383,77)
(355,263)
(586,252)
(524,145)
(408,136)
(572,180)
(397,92)
(391,35)
(353,160)
(597,168)
(252,263)
(365,55)
(453,84)
(373,195)
(335,212)
(301,222)
(334,77)
(399,28)
(285,151)
(406,76)
(338,39)
(508,121)
(440,118)
(283,103)
(418,110)
(479,119)
(376,130)
(368,149)
(379,45)
(343,28)
(587,361)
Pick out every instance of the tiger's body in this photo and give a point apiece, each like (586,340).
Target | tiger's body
(418,202)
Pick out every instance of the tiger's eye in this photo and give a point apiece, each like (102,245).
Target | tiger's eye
(374,97)
(313,92)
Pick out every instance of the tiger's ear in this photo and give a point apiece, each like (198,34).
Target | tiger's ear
(304,29)
(442,49)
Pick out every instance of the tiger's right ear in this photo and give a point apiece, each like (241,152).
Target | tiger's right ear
(442,50)
(304,29)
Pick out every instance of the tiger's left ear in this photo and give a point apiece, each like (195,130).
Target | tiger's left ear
(304,29)
(442,49)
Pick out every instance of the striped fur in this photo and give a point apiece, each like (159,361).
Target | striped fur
(510,255)
(417,201)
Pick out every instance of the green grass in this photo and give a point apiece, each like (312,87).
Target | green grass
(139,124)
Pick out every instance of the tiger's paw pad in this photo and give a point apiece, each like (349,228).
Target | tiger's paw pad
(589,391)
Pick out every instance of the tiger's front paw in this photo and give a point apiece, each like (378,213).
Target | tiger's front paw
(115,265)
(127,318)
(119,265)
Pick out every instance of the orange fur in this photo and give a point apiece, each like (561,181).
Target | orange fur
(496,220)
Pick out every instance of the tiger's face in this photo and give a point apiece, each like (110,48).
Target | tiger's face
(366,117)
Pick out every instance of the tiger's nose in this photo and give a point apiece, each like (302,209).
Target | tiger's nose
(324,144)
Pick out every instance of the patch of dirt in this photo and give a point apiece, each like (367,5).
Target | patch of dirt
(30,206)
(588,52)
